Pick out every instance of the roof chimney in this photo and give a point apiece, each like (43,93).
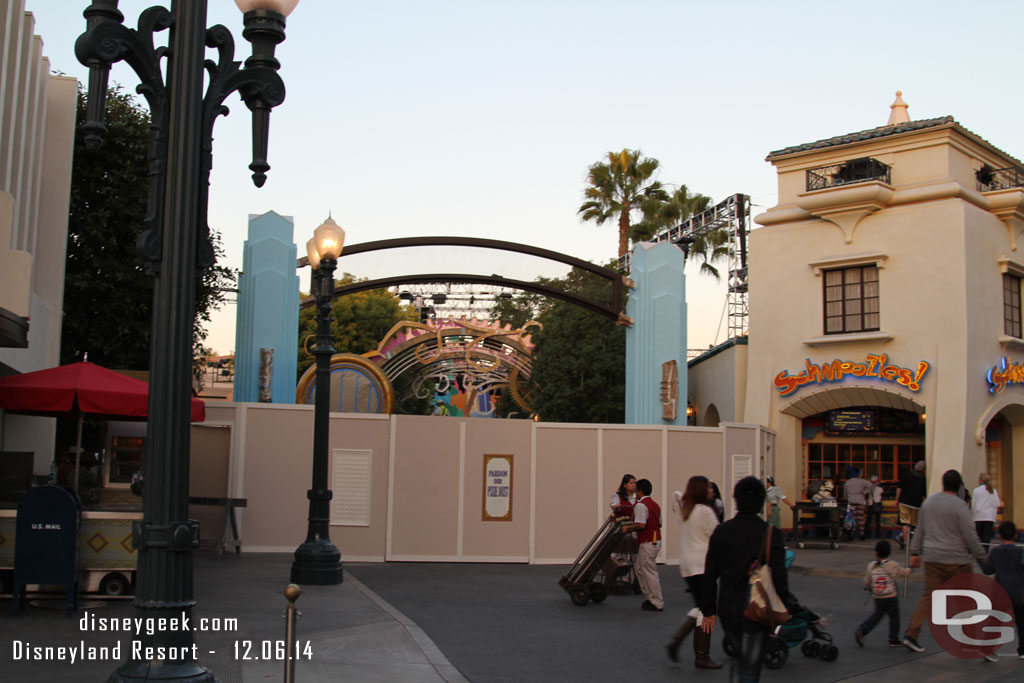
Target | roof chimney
(899,110)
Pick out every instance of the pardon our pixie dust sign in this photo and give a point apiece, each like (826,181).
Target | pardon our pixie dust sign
(874,366)
(497,488)
(1004,373)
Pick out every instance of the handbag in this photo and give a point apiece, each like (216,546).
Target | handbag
(765,606)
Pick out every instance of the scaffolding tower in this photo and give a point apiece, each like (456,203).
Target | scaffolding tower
(733,216)
(453,300)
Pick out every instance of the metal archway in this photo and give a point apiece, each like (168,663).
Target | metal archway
(615,279)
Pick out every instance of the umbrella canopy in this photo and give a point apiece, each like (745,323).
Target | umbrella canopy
(81,389)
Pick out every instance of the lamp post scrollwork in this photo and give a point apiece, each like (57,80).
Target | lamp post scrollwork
(173,244)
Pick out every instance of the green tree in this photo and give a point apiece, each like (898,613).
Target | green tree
(108,297)
(579,366)
(621,188)
(359,323)
(681,205)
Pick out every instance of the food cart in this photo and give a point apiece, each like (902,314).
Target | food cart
(108,507)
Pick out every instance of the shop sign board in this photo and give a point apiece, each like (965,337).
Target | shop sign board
(874,366)
(1003,373)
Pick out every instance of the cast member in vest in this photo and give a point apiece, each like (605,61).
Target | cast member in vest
(697,521)
(647,523)
(624,498)
(734,547)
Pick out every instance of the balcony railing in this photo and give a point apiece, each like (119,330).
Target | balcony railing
(999,178)
(847,173)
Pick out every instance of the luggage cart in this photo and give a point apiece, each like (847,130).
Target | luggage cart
(596,557)
(617,572)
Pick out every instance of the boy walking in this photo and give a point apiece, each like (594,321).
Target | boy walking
(1006,561)
(881,581)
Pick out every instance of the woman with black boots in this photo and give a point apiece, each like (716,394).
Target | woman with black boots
(697,520)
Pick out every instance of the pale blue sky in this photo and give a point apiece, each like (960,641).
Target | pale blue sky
(410,118)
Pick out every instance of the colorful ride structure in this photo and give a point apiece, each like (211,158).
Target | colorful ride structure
(463,364)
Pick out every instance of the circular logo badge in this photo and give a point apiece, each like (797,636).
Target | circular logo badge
(972,616)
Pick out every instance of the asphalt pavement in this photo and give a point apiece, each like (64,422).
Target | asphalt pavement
(485,623)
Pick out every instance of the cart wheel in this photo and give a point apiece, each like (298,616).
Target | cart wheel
(113,585)
(579,596)
(830,653)
(598,592)
(636,587)
(806,648)
(775,653)
(813,648)
(729,648)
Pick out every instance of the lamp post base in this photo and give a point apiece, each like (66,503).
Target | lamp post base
(317,563)
(158,670)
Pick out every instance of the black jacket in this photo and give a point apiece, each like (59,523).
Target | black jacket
(734,547)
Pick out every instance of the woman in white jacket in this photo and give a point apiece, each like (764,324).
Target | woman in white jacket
(697,520)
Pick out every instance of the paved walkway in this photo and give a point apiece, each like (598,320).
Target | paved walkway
(489,623)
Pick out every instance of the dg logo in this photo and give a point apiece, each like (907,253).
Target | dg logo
(972,616)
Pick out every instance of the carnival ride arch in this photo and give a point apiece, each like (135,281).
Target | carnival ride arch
(484,355)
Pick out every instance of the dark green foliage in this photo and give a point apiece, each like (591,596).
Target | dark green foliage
(579,365)
(359,321)
(108,298)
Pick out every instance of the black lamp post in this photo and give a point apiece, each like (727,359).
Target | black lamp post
(317,560)
(174,244)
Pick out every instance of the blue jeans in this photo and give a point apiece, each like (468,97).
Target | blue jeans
(752,640)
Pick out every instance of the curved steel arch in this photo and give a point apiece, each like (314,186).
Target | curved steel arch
(612,312)
(614,277)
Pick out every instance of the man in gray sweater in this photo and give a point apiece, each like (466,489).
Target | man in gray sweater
(945,539)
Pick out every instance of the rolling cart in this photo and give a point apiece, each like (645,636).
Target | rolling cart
(582,582)
(826,522)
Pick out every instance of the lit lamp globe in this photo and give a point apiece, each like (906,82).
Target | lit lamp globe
(283,7)
(328,240)
(313,254)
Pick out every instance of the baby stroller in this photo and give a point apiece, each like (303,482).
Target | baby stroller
(804,629)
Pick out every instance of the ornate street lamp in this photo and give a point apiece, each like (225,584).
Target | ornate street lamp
(317,560)
(174,243)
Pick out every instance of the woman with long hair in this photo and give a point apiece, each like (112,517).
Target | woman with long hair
(698,519)
(624,498)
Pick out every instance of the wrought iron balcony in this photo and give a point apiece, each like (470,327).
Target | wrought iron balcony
(999,178)
(849,172)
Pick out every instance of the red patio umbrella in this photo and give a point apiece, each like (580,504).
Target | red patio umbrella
(77,390)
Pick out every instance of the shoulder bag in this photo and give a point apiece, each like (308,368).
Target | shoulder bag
(765,606)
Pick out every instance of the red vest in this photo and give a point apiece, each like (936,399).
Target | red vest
(651,532)
(625,507)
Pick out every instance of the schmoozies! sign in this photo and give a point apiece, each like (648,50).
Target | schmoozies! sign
(874,366)
(1004,373)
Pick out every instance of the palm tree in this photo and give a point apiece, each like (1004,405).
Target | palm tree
(680,206)
(620,186)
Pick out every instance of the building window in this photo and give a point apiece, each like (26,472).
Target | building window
(1011,305)
(851,300)
(834,460)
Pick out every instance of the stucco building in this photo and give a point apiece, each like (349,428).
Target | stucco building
(885,308)
(37,118)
